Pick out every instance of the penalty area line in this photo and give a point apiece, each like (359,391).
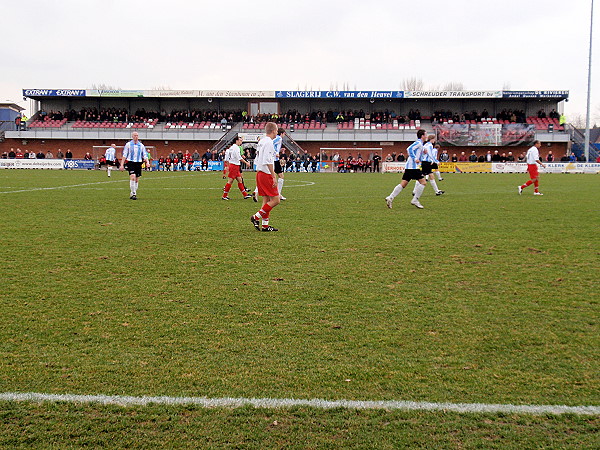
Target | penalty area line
(278,403)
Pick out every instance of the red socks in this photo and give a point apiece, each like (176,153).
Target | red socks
(226,189)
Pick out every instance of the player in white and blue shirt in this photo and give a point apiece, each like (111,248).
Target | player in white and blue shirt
(134,154)
(428,159)
(277,142)
(412,171)
(436,162)
(110,155)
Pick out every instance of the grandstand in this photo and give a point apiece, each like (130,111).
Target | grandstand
(193,119)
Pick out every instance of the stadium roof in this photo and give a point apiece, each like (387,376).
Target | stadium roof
(366,94)
(12,106)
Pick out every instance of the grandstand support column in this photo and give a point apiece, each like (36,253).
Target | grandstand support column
(589,91)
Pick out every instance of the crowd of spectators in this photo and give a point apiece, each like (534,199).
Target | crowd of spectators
(141,115)
(514,116)
(293,116)
(290,117)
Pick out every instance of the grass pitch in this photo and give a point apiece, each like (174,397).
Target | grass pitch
(484,296)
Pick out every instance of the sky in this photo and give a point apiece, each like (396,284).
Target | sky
(305,45)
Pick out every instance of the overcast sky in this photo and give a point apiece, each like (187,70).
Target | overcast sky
(267,45)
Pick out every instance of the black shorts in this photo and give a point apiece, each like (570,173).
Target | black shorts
(426,167)
(277,167)
(134,168)
(434,166)
(412,174)
(111,163)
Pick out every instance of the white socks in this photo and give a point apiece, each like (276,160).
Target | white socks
(396,191)
(279,185)
(133,186)
(434,185)
(419,188)
(439,175)
(108,169)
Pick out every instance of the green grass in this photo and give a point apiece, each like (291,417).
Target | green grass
(484,296)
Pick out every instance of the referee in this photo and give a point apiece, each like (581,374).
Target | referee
(134,154)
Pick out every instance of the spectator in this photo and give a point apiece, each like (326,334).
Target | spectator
(521,157)
(481,158)
(389,158)
(444,157)
(88,157)
(488,156)
(59,154)
(49,155)
(41,155)
(472,156)
(496,157)
(550,156)
(463,157)
(32,155)
(454,158)
(401,157)
(510,157)
(12,154)
(376,160)
(68,155)
(18,154)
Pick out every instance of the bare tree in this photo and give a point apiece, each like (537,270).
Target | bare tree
(105,87)
(577,120)
(454,86)
(413,84)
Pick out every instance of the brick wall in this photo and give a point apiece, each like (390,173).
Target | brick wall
(81,147)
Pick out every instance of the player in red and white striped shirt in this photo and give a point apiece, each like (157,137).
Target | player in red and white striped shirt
(533,159)
(266,178)
(232,162)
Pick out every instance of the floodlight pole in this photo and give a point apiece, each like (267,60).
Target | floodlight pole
(589,92)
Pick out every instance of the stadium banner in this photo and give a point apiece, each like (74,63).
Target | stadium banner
(509,167)
(471,167)
(447,167)
(31,164)
(392,167)
(240,94)
(113,93)
(452,94)
(79,164)
(54,93)
(251,137)
(339,94)
(212,165)
(485,135)
(535,94)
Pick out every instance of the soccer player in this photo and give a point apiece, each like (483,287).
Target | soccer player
(435,165)
(277,142)
(232,160)
(412,172)
(266,178)
(134,154)
(533,159)
(110,155)
(428,160)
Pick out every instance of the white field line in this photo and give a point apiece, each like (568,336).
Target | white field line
(308,183)
(278,403)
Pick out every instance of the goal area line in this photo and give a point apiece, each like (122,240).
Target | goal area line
(276,403)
